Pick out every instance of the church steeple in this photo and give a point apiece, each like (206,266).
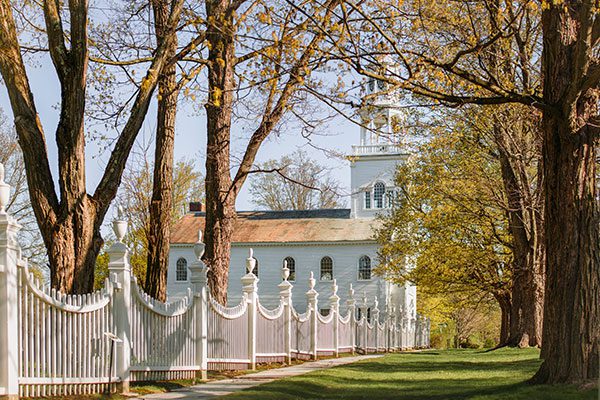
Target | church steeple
(375,159)
(381,119)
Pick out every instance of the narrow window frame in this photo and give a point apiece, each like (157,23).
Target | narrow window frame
(326,270)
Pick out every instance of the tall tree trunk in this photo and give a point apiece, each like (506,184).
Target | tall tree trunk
(525,225)
(572,308)
(162,191)
(504,302)
(220,195)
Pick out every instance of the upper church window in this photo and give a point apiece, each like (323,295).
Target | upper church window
(367,199)
(364,268)
(326,268)
(181,270)
(255,269)
(291,264)
(378,194)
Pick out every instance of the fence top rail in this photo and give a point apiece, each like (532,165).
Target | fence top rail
(271,314)
(302,317)
(327,319)
(81,304)
(172,309)
(229,312)
(346,319)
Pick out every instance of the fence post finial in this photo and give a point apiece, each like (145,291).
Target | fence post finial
(250,261)
(119,225)
(199,246)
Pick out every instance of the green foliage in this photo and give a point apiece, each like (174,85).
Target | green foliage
(449,233)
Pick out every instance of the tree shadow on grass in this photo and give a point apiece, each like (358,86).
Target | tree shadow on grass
(407,378)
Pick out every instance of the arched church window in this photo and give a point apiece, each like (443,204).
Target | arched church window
(367,200)
(381,84)
(371,84)
(364,268)
(378,194)
(326,268)
(181,270)
(291,264)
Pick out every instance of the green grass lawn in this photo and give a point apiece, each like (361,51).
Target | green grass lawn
(427,375)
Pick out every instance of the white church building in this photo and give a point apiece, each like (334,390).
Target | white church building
(332,243)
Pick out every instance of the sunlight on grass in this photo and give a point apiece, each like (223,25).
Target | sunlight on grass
(448,374)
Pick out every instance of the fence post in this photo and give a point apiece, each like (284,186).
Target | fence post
(9,297)
(198,277)
(250,287)
(285,292)
(375,319)
(120,272)
(311,297)
(351,303)
(334,302)
(365,324)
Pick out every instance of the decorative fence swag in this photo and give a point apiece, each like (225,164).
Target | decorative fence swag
(57,344)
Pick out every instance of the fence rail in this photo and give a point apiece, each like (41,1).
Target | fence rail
(52,344)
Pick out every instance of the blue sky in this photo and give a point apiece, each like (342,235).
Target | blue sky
(337,136)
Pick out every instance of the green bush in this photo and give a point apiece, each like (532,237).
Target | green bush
(488,343)
(472,342)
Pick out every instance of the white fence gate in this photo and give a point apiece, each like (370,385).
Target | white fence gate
(56,344)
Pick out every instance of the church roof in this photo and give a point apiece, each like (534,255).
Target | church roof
(328,225)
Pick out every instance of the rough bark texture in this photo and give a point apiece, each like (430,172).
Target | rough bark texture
(220,199)
(525,205)
(572,309)
(162,190)
(70,226)
(505,312)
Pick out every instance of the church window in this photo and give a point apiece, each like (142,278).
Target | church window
(324,311)
(381,84)
(291,264)
(359,314)
(326,268)
(371,84)
(367,200)
(364,268)
(378,194)
(390,198)
(181,270)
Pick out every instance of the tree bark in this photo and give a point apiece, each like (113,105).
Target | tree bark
(572,306)
(525,225)
(162,190)
(220,198)
(504,302)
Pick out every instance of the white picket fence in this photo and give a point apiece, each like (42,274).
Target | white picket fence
(53,344)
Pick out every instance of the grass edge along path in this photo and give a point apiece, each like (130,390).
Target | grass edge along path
(425,375)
